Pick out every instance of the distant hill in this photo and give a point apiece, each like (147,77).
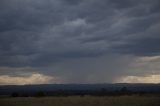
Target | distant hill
(4,90)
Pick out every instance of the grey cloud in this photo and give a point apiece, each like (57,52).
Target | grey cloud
(23,72)
(29,22)
(48,32)
(141,47)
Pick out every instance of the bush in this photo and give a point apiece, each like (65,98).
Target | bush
(14,94)
(40,94)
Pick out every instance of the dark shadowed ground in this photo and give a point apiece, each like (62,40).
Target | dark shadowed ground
(83,101)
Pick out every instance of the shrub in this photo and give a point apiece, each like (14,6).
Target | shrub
(14,94)
(40,94)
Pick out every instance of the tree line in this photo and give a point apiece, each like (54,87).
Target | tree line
(98,92)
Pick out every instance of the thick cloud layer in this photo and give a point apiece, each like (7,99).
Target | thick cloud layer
(97,40)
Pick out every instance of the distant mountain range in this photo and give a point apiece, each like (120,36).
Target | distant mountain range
(8,89)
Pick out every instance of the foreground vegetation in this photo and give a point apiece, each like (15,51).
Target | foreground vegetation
(82,101)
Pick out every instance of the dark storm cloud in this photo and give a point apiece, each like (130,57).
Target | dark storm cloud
(50,32)
(141,47)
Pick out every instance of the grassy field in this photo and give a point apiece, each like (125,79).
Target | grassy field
(83,101)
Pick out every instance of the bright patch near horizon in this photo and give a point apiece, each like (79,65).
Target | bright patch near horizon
(32,79)
(140,79)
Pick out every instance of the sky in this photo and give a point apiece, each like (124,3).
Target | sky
(79,41)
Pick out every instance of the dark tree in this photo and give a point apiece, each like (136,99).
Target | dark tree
(124,89)
(14,94)
(40,94)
